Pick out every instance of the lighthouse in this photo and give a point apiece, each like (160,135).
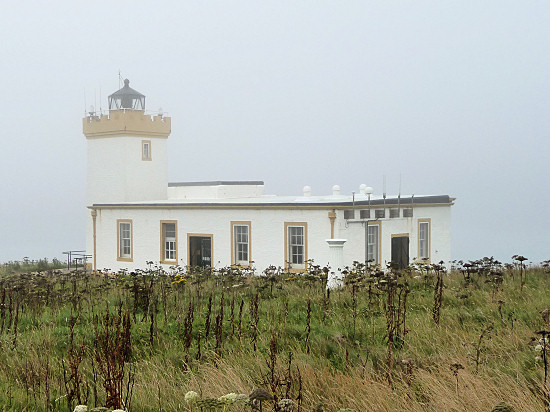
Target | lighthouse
(126,151)
(137,216)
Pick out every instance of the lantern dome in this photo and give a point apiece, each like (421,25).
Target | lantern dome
(127,98)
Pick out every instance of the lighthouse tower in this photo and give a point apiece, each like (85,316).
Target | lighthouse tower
(126,151)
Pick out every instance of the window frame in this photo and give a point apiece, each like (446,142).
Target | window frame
(209,235)
(234,248)
(376,248)
(290,266)
(427,257)
(349,214)
(163,249)
(380,213)
(144,153)
(123,257)
(364,214)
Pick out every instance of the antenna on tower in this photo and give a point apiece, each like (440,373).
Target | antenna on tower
(399,194)
(384,188)
(119,79)
(100,100)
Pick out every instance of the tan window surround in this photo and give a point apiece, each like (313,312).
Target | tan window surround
(118,252)
(211,236)
(240,223)
(428,240)
(163,244)
(287,263)
(143,157)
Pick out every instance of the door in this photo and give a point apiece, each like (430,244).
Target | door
(200,251)
(400,251)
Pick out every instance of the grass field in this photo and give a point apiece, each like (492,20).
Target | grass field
(414,340)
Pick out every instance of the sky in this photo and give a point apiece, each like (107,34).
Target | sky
(450,97)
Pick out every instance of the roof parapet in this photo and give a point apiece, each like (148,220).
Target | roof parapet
(126,122)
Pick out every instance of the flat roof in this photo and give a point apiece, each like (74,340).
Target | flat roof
(291,202)
(219,183)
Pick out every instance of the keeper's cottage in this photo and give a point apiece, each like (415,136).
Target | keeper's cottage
(136,215)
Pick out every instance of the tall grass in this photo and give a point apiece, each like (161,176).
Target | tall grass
(143,340)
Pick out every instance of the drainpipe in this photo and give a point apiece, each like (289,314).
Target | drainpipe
(332,218)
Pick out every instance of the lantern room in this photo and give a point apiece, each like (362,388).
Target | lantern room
(127,98)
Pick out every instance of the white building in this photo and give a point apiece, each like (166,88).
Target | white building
(137,216)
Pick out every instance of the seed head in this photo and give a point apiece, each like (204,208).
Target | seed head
(228,398)
(286,405)
(191,397)
(260,395)
(210,403)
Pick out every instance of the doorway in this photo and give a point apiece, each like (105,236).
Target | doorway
(200,251)
(400,250)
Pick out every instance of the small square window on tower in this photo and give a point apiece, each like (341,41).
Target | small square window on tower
(145,150)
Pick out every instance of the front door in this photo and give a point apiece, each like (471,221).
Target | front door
(400,251)
(200,251)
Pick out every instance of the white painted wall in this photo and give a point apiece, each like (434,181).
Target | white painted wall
(117,173)
(215,191)
(440,234)
(267,234)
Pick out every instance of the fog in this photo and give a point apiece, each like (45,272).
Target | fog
(446,97)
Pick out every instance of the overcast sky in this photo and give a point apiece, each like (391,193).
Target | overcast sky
(454,96)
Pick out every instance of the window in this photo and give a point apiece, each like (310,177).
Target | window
(146,150)
(349,214)
(169,241)
(296,246)
(424,239)
(407,213)
(240,243)
(394,213)
(380,213)
(364,214)
(373,244)
(124,235)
